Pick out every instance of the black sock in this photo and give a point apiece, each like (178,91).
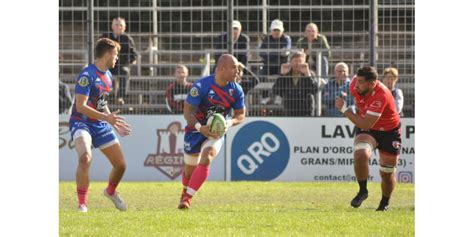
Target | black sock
(363,186)
(385,200)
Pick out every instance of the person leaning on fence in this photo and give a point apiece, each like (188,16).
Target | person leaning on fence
(390,78)
(240,41)
(177,91)
(127,55)
(297,88)
(314,43)
(337,87)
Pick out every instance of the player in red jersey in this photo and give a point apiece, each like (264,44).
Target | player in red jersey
(377,126)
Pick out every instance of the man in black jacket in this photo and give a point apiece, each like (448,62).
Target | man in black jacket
(240,42)
(297,88)
(127,55)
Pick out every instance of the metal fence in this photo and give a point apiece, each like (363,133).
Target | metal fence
(167,33)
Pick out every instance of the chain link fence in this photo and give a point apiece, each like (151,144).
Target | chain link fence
(194,33)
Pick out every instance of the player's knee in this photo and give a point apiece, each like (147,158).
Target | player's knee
(85,160)
(362,150)
(205,160)
(361,155)
(122,166)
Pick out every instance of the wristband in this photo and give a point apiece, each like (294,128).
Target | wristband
(344,108)
(197,126)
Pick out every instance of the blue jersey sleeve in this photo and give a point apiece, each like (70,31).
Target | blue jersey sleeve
(195,95)
(83,84)
(239,98)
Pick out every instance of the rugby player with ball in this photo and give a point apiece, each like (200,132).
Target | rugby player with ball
(209,102)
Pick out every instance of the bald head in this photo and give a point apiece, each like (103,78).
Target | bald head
(226,59)
(227,67)
(311,31)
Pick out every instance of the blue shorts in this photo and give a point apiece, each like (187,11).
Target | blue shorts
(101,132)
(193,142)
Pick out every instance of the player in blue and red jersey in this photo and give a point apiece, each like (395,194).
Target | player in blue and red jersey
(377,127)
(91,123)
(217,93)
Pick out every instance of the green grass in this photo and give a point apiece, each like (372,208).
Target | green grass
(238,209)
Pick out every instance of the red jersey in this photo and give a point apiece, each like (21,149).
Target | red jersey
(378,103)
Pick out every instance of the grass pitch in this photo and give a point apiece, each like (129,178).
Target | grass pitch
(238,209)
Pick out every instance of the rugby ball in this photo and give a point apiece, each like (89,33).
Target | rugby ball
(217,124)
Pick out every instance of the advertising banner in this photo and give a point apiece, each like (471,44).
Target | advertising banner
(305,149)
(153,151)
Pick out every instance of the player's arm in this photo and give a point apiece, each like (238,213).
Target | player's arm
(238,118)
(364,123)
(83,108)
(123,128)
(190,116)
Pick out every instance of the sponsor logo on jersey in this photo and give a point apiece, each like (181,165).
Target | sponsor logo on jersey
(259,151)
(194,92)
(376,104)
(83,81)
(168,158)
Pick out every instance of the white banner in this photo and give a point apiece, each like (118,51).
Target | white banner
(153,151)
(280,149)
(305,149)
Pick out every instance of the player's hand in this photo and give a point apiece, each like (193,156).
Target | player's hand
(112,118)
(228,124)
(206,131)
(340,104)
(123,129)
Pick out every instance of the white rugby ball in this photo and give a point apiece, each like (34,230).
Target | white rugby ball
(217,124)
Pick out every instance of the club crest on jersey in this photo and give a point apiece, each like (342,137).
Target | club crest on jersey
(211,93)
(168,159)
(194,92)
(231,92)
(83,81)
(396,144)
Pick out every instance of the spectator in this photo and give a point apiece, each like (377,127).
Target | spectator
(65,98)
(247,79)
(297,88)
(314,43)
(274,52)
(177,91)
(127,56)
(275,41)
(390,78)
(339,86)
(240,42)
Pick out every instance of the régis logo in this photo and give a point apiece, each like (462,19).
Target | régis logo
(260,151)
(169,152)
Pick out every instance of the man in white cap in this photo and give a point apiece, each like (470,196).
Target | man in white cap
(239,40)
(276,40)
(274,52)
